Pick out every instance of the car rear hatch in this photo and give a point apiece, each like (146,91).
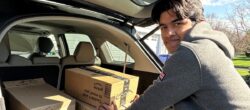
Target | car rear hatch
(134,12)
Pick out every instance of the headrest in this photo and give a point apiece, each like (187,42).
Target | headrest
(84,52)
(4,52)
(45,44)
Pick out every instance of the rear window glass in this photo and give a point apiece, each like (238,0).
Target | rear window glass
(22,44)
(74,39)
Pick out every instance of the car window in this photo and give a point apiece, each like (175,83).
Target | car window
(117,55)
(74,39)
(22,44)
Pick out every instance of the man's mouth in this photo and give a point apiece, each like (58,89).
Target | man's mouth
(174,42)
(174,38)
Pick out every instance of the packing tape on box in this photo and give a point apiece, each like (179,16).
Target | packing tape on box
(125,87)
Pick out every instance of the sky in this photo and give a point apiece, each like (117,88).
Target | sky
(218,7)
(221,8)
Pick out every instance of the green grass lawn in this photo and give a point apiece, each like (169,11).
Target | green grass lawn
(243,72)
(241,61)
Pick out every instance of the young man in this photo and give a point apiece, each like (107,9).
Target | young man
(199,74)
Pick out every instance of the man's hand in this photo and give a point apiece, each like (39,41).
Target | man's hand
(112,106)
(136,98)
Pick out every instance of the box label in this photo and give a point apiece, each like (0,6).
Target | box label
(108,88)
(89,95)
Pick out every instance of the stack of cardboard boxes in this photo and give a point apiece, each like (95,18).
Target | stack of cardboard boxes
(95,85)
(90,86)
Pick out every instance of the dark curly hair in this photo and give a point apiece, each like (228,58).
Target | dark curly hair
(182,8)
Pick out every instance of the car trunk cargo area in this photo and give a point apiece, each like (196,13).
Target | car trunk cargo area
(35,87)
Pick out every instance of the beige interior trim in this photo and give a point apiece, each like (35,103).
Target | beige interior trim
(97,30)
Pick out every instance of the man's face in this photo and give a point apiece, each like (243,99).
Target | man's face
(173,29)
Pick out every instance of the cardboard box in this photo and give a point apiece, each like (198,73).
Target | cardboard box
(84,106)
(35,94)
(95,85)
(2,103)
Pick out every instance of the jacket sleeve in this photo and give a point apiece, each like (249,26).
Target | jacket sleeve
(182,78)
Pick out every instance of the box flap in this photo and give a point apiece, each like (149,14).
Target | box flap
(23,83)
(41,96)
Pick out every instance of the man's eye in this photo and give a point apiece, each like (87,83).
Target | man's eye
(164,27)
(179,23)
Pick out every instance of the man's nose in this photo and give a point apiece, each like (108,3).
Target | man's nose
(171,31)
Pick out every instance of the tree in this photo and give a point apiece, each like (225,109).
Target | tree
(222,25)
(236,25)
(239,18)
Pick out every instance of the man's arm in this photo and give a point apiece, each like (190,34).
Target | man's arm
(182,78)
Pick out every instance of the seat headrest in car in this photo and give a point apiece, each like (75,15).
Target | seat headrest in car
(45,44)
(84,52)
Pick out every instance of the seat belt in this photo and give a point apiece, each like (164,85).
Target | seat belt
(126,55)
